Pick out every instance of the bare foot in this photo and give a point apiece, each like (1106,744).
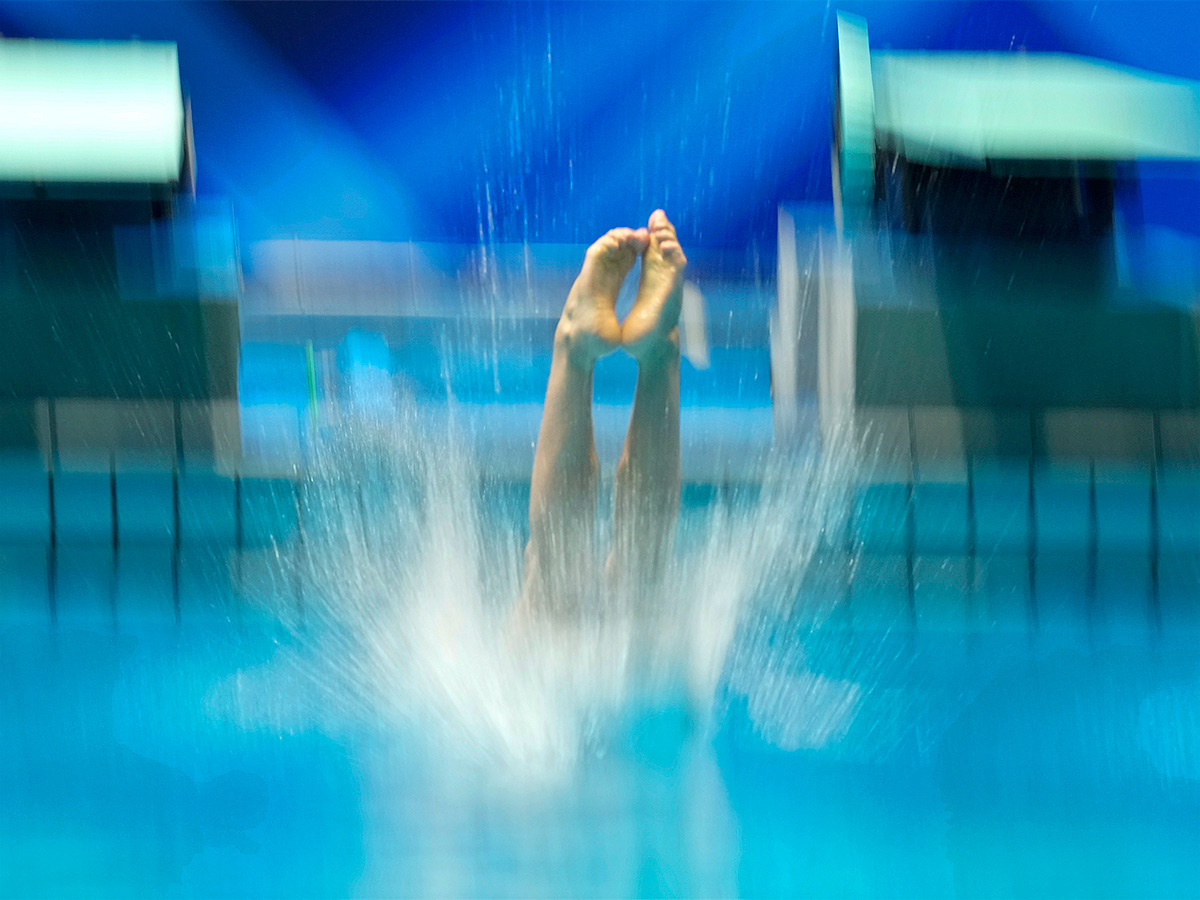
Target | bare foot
(589,325)
(650,329)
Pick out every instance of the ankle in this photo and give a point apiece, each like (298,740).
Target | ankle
(658,353)
(576,345)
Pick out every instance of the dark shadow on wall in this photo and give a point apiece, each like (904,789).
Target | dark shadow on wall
(1016,307)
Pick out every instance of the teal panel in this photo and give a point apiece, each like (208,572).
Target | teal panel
(24,583)
(1060,592)
(940,518)
(25,510)
(268,511)
(145,507)
(1123,606)
(83,506)
(1178,594)
(1002,591)
(881,517)
(145,588)
(1062,510)
(1001,509)
(90,111)
(1179,513)
(1123,512)
(941,594)
(1021,356)
(207,509)
(85,581)
(206,584)
(68,333)
(879,593)
(939,106)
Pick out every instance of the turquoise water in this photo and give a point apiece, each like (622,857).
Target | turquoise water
(315,690)
(160,740)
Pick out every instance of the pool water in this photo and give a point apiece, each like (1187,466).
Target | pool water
(256,687)
(166,733)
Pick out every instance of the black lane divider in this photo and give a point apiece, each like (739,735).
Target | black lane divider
(177,539)
(114,588)
(53,508)
(239,538)
(178,423)
(302,564)
(52,552)
(1155,545)
(910,521)
(1093,550)
(112,492)
(972,542)
(52,582)
(52,556)
(1031,552)
(1155,530)
(852,544)
(910,551)
(116,542)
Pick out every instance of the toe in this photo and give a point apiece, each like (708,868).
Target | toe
(600,247)
(631,239)
(608,246)
(673,253)
(663,235)
(658,219)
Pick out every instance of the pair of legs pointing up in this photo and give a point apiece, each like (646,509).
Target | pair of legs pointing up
(562,572)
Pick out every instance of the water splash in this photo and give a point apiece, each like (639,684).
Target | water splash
(409,562)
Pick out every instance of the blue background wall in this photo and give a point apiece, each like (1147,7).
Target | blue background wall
(551,122)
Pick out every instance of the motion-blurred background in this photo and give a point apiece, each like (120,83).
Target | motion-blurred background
(550,122)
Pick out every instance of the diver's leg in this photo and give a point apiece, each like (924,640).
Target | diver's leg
(560,556)
(646,493)
(647,488)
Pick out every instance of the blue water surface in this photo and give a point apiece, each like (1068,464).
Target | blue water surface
(1003,761)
